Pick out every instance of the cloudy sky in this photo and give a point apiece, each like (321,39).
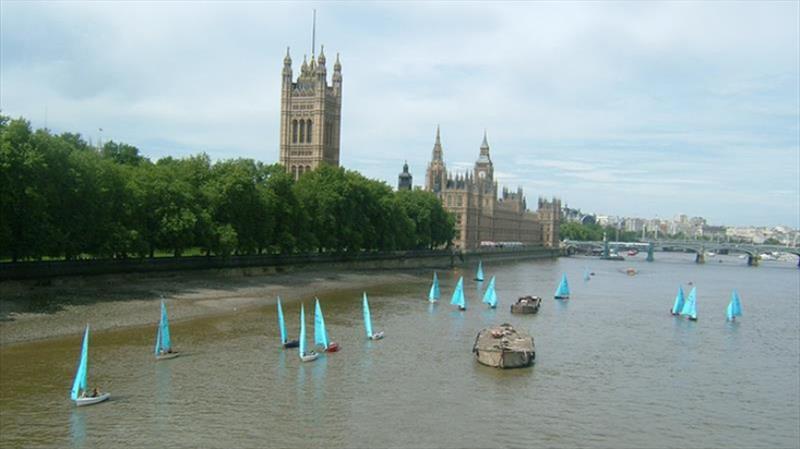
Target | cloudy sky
(635,109)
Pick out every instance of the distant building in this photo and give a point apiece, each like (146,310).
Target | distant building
(404,179)
(311,112)
(482,217)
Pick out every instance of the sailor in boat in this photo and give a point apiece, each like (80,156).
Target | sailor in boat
(95,393)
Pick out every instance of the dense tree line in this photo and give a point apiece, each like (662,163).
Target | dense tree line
(62,198)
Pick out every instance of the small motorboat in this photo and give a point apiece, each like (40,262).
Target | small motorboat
(332,347)
(291,344)
(526,304)
(376,336)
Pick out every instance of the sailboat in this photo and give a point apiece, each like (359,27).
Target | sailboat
(284,339)
(434,294)
(320,334)
(490,297)
(368,321)
(586,275)
(679,301)
(734,307)
(479,273)
(310,355)
(562,292)
(690,307)
(79,392)
(163,348)
(458,298)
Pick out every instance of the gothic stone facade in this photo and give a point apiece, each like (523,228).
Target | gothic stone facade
(483,217)
(311,113)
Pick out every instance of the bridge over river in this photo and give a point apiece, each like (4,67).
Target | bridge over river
(699,247)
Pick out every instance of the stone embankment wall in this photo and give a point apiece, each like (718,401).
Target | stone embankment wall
(255,265)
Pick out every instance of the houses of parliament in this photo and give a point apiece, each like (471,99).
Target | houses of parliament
(310,135)
(484,218)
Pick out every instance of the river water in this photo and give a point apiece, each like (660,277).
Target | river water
(613,369)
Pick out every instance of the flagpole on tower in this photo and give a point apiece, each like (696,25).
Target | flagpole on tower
(313,34)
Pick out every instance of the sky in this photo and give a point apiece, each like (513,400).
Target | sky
(642,109)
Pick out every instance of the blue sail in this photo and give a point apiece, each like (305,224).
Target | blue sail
(690,307)
(479,273)
(458,298)
(79,385)
(490,297)
(163,328)
(679,301)
(367,317)
(157,348)
(434,294)
(586,276)
(734,307)
(320,335)
(281,323)
(562,292)
(302,348)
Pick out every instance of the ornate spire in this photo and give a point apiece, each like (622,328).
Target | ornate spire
(337,66)
(304,67)
(484,156)
(437,146)
(321,58)
(287,67)
(288,59)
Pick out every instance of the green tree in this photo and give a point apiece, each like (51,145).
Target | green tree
(121,153)
(23,203)
(238,197)
(432,224)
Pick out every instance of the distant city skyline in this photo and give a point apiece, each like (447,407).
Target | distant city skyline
(640,110)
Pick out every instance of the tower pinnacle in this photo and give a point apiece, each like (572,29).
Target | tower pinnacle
(437,146)
(484,155)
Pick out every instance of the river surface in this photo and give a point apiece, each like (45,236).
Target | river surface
(613,369)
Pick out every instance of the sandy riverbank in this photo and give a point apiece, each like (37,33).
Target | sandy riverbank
(31,311)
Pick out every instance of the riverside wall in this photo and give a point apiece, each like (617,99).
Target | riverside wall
(259,265)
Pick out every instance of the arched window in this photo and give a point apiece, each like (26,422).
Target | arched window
(294,131)
(294,171)
(302,131)
(308,131)
(308,168)
(300,171)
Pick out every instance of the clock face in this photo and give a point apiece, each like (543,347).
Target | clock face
(482,174)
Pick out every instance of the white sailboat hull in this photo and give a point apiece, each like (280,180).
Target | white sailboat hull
(376,336)
(89,401)
(309,357)
(167,356)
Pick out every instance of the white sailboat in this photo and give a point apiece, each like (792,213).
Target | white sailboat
(368,321)
(163,348)
(79,392)
(458,298)
(304,355)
